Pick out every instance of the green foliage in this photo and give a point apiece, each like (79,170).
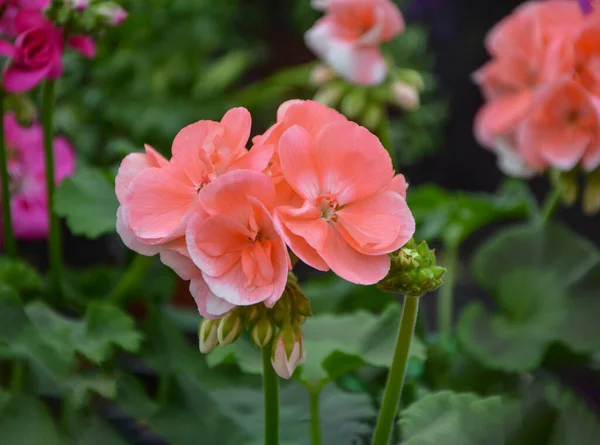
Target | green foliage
(545,281)
(453,216)
(461,419)
(87,200)
(26,421)
(19,276)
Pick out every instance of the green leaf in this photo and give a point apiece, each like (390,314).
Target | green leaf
(457,419)
(96,431)
(19,276)
(544,282)
(82,386)
(26,421)
(107,326)
(455,215)
(88,202)
(12,315)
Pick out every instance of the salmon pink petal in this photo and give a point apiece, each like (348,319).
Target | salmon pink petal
(159,203)
(351,265)
(305,222)
(229,194)
(257,159)
(280,260)
(237,123)
(558,146)
(181,265)
(233,287)
(154,157)
(209,305)
(379,224)
(130,167)
(500,116)
(352,162)
(129,239)
(282,110)
(216,243)
(398,185)
(195,136)
(308,114)
(299,162)
(299,246)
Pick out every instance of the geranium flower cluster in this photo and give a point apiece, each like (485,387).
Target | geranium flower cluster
(36,44)
(542,89)
(347,38)
(26,168)
(224,216)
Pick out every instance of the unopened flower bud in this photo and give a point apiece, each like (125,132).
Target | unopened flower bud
(405,95)
(410,77)
(288,351)
(80,5)
(207,336)
(330,94)
(591,195)
(282,310)
(251,315)
(354,102)
(112,13)
(230,328)
(262,332)
(567,184)
(372,117)
(321,74)
(302,307)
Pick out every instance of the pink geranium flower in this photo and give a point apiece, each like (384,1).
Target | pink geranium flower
(37,52)
(29,205)
(243,259)
(11,9)
(352,214)
(348,37)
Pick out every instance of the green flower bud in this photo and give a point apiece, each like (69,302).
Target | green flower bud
(288,351)
(591,195)
(330,94)
(373,116)
(251,314)
(567,184)
(207,336)
(302,306)
(354,102)
(405,95)
(230,328)
(262,332)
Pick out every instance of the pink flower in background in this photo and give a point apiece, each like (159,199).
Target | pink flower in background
(37,52)
(242,257)
(27,176)
(348,37)
(113,14)
(352,214)
(11,9)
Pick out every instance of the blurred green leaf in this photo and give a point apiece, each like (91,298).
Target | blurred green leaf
(223,72)
(19,276)
(454,216)
(88,202)
(12,315)
(95,431)
(26,421)
(545,283)
(458,419)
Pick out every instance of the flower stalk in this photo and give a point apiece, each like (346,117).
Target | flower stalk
(54,240)
(271,397)
(315,418)
(9,236)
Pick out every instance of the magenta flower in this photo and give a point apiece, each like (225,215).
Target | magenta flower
(586,6)
(37,52)
(26,168)
(12,8)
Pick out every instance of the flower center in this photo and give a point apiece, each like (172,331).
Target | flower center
(328,206)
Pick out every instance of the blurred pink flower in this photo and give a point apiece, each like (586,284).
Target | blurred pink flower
(27,176)
(348,37)
(114,14)
(37,52)
(11,8)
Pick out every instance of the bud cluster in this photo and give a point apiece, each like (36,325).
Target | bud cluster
(568,185)
(413,271)
(85,16)
(402,88)
(278,328)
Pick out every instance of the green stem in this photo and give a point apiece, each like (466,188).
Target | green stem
(446,293)
(9,236)
(16,378)
(54,241)
(551,203)
(271,391)
(315,418)
(134,273)
(393,388)
(164,387)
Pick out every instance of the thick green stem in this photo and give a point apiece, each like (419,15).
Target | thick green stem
(9,236)
(54,241)
(271,391)
(315,418)
(551,203)
(134,273)
(393,388)
(446,293)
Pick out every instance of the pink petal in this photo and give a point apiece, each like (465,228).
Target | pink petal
(64,159)
(310,115)
(29,18)
(232,287)
(130,167)
(159,203)
(380,224)
(256,159)
(6,49)
(128,237)
(193,138)
(351,265)
(154,157)
(181,265)
(19,80)
(299,162)
(237,123)
(84,44)
(352,162)
(29,218)
(209,305)
(398,185)
(280,259)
